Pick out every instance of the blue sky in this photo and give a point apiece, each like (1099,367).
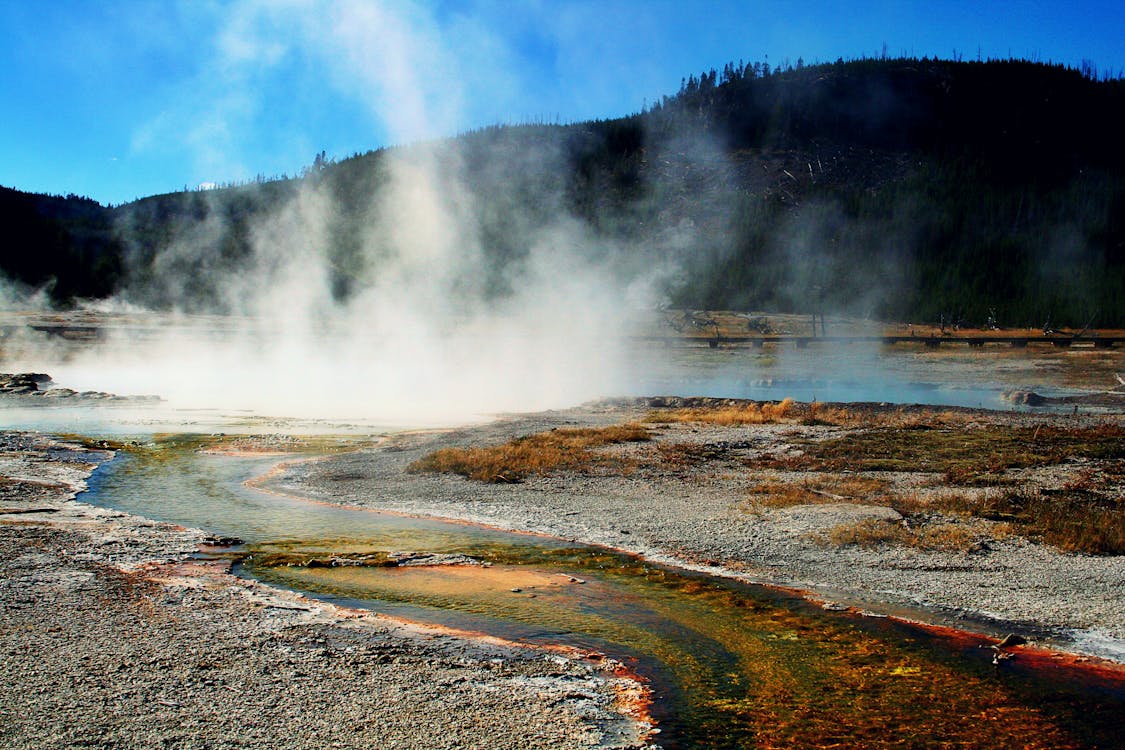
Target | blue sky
(126,99)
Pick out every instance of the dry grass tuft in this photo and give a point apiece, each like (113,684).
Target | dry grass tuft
(678,456)
(751,412)
(539,454)
(957,453)
(815,413)
(976,476)
(874,532)
(1073,520)
(828,488)
(1087,514)
(958,504)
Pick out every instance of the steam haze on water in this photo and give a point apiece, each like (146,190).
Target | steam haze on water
(417,339)
(421,333)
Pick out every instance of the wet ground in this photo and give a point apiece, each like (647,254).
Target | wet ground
(732,665)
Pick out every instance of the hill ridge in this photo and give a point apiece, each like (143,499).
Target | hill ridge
(901,188)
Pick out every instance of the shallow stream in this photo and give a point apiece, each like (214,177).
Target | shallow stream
(731,665)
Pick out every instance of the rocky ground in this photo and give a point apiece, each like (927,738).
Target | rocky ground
(702,516)
(112,635)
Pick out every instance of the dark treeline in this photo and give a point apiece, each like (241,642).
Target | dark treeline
(896,188)
(907,189)
(67,242)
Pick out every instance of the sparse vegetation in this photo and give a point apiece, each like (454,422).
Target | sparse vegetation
(828,488)
(541,453)
(747,413)
(958,452)
(902,419)
(1072,521)
(973,476)
(874,532)
(1086,514)
(678,456)
(1068,520)
(737,413)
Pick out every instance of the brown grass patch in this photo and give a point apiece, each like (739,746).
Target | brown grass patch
(1073,520)
(976,476)
(875,532)
(959,504)
(824,489)
(903,418)
(971,452)
(728,412)
(685,455)
(818,414)
(751,412)
(541,453)
(1085,515)
(1070,519)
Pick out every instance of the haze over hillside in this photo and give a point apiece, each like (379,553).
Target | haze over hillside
(904,189)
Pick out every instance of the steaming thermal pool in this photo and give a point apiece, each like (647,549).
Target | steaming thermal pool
(732,665)
(212,370)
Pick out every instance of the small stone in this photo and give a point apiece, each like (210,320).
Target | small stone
(1011,639)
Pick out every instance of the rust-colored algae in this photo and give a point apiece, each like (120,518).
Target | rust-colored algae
(744,667)
(736,666)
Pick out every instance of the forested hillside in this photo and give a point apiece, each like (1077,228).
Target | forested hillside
(903,189)
(965,187)
(68,243)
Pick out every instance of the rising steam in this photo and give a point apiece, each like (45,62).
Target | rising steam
(419,337)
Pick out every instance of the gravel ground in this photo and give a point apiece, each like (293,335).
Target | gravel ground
(699,519)
(112,636)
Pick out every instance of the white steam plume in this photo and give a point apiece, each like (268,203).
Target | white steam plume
(418,341)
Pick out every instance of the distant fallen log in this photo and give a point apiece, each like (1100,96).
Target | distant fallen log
(1031,398)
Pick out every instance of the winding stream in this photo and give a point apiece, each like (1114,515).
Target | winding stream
(732,665)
